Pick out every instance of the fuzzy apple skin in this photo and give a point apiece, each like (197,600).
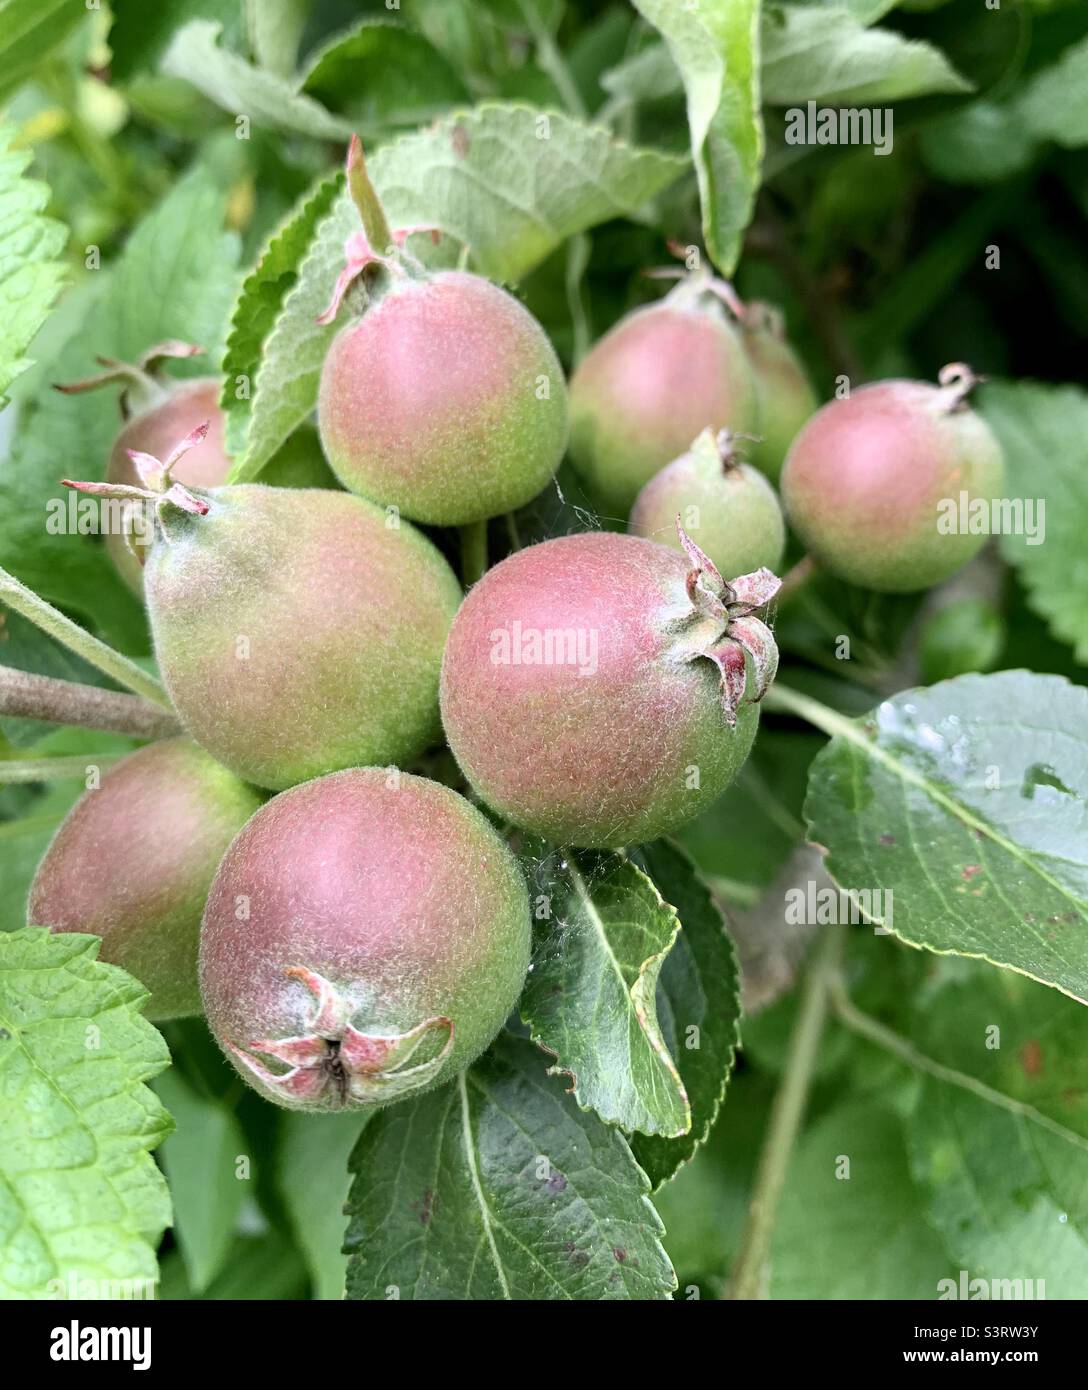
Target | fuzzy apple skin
(133,861)
(864,479)
(643,393)
(155,431)
(785,399)
(602,759)
(395,890)
(297,632)
(729,510)
(430,401)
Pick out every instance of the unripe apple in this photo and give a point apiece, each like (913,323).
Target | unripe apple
(298,630)
(365,938)
(724,504)
(133,861)
(784,395)
(600,689)
(865,480)
(445,399)
(649,386)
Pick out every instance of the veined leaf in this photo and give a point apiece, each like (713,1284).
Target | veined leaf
(30,272)
(260,301)
(591,996)
(816,53)
(1042,430)
(499,1187)
(698,1006)
(82,1205)
(267,99)
(715,45)
(966,804)
(1005,1182)
(849,1195)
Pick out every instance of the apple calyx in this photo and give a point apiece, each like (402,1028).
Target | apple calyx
(338,1062)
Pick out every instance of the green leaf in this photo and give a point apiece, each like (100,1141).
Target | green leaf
(174,279)
(869,1227)
(966,802)
(29,31)
(260,301)
(1055,104)
(381,74)
(23,841)
(510,182)
(313,1180)
(1042,431)
(648,75)
(265,1268)
(742,840)
(200,1159)
(698,1006)
(982,142)
(237,87)
(716,47)
(705,1205)
(963,636)
(864,11)
(513,183)
(30,270)
(141,33)
(275,28)
(1005,1186)
(816,53)
(80,1197)
(499,1187)
(603,934)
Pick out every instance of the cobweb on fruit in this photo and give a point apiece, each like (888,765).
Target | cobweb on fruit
(560,510)
(547,871)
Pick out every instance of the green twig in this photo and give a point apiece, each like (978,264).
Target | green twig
(77,639)
(552,62)
(797,579)
(30,825)
(783,700)
(54,769)
(578,252)
(749,1277)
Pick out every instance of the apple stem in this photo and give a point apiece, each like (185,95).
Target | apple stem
(958,381)
(473,552)
(144,384)
(797,578)
(366,199)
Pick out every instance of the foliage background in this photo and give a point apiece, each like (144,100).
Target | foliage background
(121,135)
